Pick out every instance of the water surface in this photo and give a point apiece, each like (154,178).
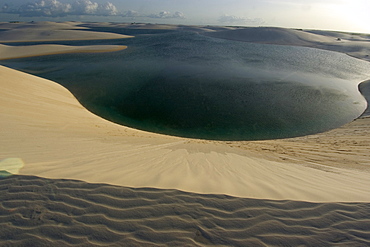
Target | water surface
(189,85)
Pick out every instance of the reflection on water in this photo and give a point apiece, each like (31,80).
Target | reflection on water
(189,85)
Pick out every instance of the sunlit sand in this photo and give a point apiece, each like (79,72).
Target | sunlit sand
(262,186)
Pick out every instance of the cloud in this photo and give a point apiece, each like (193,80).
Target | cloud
(231,19)
(44,8)
(131,13)
(107,9)
(54,8)
(59,8)
(85,7)
(178,15)
(5,7)
(167,15)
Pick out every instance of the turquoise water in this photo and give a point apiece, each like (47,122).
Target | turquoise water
(189,85)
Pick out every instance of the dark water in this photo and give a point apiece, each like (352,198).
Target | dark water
(188,85)
(364,88)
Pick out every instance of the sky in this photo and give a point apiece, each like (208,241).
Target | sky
(339,15)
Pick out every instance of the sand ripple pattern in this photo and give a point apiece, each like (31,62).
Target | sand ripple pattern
(44,212)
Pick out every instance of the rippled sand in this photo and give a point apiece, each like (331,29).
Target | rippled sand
(46,212)
(311,190)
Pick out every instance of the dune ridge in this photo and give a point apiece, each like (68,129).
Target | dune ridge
(51,31)
(272,35)
(12,52)
(74,213)
(56,137)
(355,45)
(308,191)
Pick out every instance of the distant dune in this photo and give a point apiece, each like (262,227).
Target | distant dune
(354,45)
(11,52)
(50,31)
(273,35)
(84,181)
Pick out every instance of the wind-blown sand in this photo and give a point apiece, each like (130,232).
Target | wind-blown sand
(11,52)
(45,132)
(56,137)
(44,212)
(51,31)
(356,45)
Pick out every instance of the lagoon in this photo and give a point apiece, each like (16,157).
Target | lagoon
(189,85)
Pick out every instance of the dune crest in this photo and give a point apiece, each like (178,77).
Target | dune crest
(85,181)
(272,35)
(11,52)
(51,31)
(45,126)
(355,45)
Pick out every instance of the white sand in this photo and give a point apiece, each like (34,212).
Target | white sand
(43,212)
(44,131)
(51,31)
(147,26)
(50,134)
(356,45)
(10,52)
(45,126)
(271,35)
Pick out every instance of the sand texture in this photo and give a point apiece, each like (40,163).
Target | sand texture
(56,137)
(50,31)
(11,52)
(355,45)
(80,180)
(43,212)
(345,147)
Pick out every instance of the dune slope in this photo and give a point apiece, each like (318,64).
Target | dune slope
(46,212)
(354,45)
(11,52)
(51,31)
(43,125)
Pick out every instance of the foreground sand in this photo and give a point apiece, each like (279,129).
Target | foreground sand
(312,190)
(42,212)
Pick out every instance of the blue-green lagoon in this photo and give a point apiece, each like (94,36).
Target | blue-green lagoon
(189,85)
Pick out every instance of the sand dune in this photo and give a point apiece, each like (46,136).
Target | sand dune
(345,147)
(272,35)
(56,137)
(308,191)
(147,26)
(50,31)
(11,52)
(355,45)
(43,212)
